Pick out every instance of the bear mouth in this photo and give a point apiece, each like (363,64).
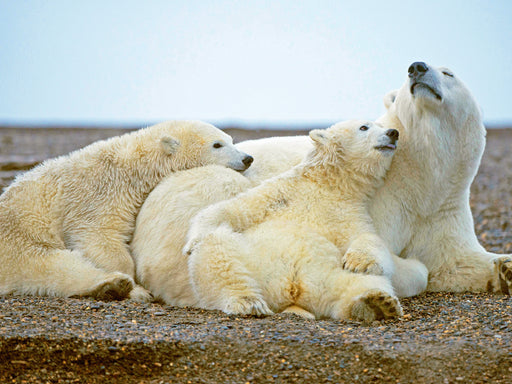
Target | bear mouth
(386,147)
(427,87)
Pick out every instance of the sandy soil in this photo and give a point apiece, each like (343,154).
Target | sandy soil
(442,338)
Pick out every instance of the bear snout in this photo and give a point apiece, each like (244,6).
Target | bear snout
(247,160)
(393,135)
(417,69)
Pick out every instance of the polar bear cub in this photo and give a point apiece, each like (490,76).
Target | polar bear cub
(282,244)
(65,225)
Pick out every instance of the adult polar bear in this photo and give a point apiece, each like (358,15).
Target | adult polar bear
(422,211)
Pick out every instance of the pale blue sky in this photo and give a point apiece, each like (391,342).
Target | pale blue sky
(278,62)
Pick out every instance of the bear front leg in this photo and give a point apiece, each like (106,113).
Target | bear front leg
(368,254)
(465,270)
(219,278)
(448,246)
(238,214)
(203,223)
(456,261)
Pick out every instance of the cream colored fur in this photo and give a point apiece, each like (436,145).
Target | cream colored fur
(163,223)
(65,226)
(283,242)
(422,210)
(269,157)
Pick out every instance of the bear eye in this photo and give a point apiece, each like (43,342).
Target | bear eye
(217,145)
(447,74)
(364,128)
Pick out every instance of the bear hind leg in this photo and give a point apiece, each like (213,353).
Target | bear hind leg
(332,292)
(65,273)
(220,279)
(116,288)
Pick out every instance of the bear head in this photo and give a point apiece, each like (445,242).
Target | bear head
(189,144)
(361,146)
(440,123)
(432,97)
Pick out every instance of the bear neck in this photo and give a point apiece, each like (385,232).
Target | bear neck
(444,139)
(133,162)
(433,151)
(341,178)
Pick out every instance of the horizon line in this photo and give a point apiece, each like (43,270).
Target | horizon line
(220,123)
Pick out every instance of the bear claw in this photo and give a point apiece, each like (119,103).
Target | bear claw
(116,289)
(360,262)
(141,295)
(248,305)
(504,268)
(299,311)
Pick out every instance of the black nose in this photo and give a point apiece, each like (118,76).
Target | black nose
(417,69)
(392,134)
(248,160)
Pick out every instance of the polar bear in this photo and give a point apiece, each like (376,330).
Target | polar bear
(422,210)
(162,225)
(282,244)
(65,225)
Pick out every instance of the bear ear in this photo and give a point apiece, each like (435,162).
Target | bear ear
(319,136)
(389,99)
(169,144)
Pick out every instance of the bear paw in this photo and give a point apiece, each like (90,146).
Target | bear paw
(503,266)
(361,262)
(376,305)
(116,289)
(140,295)
(248,305)
(296,310)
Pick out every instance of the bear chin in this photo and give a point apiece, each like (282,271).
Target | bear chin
(422,90)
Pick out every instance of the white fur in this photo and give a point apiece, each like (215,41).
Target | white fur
(269,157)
(163,223)
(422,211)
(285,241)
(282,243)
(65,225)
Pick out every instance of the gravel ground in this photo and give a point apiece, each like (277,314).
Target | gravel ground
(442,338)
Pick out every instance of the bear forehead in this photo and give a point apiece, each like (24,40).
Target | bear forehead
(349,127)
(192,131)
(444,69)
(204,135)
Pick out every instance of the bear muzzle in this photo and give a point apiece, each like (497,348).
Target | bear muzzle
(421,76)
(391,136)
